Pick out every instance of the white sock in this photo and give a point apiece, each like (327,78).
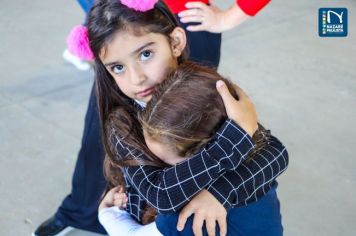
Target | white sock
(76,61)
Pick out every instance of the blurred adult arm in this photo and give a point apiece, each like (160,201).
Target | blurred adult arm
(212,19)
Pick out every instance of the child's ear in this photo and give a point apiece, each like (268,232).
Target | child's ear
(178,41)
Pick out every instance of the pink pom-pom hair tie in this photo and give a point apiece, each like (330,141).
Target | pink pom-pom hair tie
(140,5)
(78,43)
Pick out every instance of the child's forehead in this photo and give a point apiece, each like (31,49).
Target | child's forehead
(126,42)
(136,37)
(137,31)
(133,34)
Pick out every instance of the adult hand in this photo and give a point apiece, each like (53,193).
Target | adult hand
(241,111)
(211,18)
(206,208)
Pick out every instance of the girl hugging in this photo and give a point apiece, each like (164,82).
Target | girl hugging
(180,163)
(177,122)
(185,112)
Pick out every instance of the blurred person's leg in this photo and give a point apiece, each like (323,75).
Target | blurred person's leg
(79,208)
(203,47)
(86,5)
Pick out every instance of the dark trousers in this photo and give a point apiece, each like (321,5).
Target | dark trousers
(80,208)
(261,218)
(203,47)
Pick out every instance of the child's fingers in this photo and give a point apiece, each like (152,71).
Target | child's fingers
(124,202)
(110,194)
(119,195)
(121,201)
(183,216)
(225,94)
(242,95)
(113,190)
(189,13)
(195,28)
(222,225)
(108,199)
(190,19)
(118,202)
(121,189)
(119,198)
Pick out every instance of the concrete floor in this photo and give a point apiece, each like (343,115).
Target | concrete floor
(304,88)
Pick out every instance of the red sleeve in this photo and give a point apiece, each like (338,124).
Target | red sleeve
(251,7)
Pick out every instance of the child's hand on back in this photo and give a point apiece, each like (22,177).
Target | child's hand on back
(206,209)
(241,111)
(115,197)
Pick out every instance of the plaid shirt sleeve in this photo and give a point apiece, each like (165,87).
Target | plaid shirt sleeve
(252,179)
(169,189)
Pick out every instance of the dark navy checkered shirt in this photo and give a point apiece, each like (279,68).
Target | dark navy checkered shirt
(220,168)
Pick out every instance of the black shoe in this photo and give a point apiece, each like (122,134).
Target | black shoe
(52,227)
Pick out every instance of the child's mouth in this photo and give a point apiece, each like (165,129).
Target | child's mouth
(146,92)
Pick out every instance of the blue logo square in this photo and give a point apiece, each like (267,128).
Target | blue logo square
(332,22)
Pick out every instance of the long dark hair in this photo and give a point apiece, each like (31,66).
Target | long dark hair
(118,113)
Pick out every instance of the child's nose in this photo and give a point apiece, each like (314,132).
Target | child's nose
(137,76)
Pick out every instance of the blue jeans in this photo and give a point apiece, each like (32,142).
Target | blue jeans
(86,5)
(261,218)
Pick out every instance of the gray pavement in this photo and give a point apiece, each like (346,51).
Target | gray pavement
(304,88)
